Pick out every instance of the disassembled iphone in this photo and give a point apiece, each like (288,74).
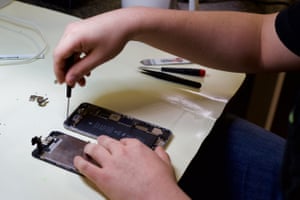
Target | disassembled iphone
(59,149)
(92,121)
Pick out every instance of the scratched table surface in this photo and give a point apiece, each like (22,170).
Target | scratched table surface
(117,85)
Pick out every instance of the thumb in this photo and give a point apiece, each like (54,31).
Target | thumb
(163,155)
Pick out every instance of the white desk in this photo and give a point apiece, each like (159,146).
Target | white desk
(116,85)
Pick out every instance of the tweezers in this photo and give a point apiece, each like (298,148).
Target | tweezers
(171,78)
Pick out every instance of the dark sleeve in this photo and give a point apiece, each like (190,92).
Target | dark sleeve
(287,26)
(291,163)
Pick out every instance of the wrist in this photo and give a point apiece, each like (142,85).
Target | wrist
(171,191)
(142,23)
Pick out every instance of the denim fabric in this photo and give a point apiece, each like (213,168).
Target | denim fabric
(291,164)
(237,161)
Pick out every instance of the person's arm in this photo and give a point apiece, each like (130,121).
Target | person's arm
(233,41)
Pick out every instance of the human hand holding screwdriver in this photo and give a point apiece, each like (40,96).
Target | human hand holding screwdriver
(93,38)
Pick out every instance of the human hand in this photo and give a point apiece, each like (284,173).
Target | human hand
(128,169)
(98,39)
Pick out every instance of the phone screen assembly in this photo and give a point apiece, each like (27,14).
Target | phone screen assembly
(92,121)
(59,149)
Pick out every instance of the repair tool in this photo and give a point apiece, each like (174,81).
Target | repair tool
(171,78)
(69,63)
(181,70)
(165,61)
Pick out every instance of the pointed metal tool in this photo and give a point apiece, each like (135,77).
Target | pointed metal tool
(172,78)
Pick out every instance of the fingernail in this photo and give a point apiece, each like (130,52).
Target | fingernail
(78,162)
(72,79)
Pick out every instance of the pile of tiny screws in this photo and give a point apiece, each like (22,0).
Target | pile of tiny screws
(42,101)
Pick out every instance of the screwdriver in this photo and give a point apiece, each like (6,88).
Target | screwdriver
(69,63)
(69,91)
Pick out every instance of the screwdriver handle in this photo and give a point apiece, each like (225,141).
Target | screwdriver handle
(69,91)
(68,65)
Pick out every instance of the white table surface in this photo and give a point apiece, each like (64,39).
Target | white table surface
(117,85)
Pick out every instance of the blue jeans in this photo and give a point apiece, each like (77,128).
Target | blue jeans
(237,161)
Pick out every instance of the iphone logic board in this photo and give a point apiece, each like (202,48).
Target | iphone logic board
(92,121)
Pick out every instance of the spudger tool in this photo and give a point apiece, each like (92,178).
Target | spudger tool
(177,70)
(165,61)
(171,78)
(69,63)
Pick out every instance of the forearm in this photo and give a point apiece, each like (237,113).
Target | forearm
(231,41)
(224,40)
